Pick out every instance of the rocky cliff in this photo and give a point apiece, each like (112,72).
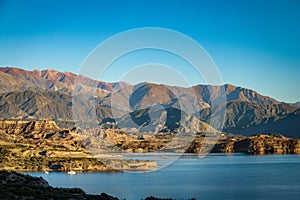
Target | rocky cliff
(268,144)
(258,145)
(19,126)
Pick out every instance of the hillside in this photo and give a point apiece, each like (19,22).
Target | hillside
(64,96)
(288,125)
(258,113)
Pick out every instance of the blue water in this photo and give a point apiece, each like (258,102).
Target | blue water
(214,177)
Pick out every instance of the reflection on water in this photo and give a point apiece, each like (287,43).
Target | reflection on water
(216,176)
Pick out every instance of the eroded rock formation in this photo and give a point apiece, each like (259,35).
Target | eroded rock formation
(43,146)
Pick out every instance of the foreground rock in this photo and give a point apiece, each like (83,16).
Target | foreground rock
(19,186)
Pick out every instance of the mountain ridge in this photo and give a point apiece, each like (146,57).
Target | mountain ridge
(69,77)
(49,94)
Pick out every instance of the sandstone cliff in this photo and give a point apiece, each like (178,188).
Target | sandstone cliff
(257,145)
(19,126)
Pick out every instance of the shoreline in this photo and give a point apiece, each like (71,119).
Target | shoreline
(43,146)
(148,155)
(225,162)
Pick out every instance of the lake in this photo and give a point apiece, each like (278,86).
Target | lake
(217,176)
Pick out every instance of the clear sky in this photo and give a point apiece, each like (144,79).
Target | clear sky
(255,43)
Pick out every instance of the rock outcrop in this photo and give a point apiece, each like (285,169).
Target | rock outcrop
(259,144)
(19,126)
(268,144)
(19,186)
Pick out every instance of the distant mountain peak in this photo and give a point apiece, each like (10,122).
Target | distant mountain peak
(52,79)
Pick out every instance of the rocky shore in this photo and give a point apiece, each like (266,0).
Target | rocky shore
(19,186)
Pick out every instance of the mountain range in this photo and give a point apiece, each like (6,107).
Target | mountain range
(49,94)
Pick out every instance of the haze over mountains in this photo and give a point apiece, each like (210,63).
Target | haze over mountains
(49,94)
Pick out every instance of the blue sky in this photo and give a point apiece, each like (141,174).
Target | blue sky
(255,44)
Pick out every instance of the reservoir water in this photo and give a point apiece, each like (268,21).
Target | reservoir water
(216,176)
